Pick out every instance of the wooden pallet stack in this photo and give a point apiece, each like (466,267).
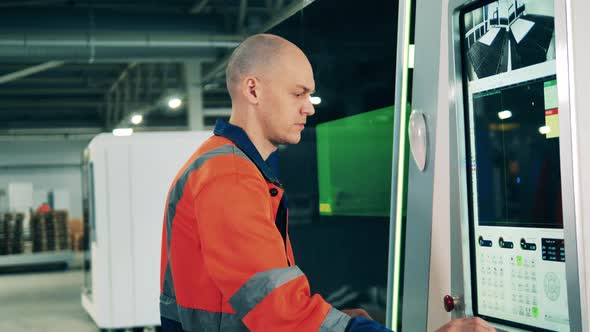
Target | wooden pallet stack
(11,233)
(49,231)
(60,219)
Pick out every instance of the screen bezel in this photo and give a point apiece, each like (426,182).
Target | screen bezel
(469,185)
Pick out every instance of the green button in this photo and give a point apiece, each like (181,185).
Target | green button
(535,312)
(519,260)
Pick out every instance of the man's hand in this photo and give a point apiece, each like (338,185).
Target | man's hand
(474,324)
(356,313)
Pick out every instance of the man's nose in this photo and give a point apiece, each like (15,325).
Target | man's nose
(308,108)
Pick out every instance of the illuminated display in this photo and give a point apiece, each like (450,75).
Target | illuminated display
(514,181)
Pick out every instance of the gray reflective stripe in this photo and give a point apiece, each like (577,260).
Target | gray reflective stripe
(168,286)
(259,287)
(199,320)
(168,307)
(335,321)
(176,194)
(178,190)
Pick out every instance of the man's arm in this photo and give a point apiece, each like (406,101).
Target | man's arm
(245,256)
(473,324)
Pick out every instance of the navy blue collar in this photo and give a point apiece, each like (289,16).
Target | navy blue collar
(243,142)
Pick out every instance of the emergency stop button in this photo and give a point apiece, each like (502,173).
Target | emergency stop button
(451,302)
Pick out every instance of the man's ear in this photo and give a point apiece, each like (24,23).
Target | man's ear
(251,89)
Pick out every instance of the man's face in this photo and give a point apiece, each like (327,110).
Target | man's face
(285,104)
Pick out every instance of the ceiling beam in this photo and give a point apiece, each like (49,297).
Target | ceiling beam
(122,76)
(107,46)
(23,91)
(68,66)
(285,13)
(76,80)
(242,16)
(198,6)
(29,71)
(142,92)
(45,134)
(278,5)
(21,3)
(53,103)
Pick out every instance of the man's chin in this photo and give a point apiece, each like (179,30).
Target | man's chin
(288,140)
(294,140)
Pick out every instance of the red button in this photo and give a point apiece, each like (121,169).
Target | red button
(449,303)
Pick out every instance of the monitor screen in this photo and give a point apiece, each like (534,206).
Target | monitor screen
(516,152)
(513,176)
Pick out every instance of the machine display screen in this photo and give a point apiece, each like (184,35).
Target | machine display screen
(512,142)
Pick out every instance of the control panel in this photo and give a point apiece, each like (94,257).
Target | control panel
(520,277)
(513,169)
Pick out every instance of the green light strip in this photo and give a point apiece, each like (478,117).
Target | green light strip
(400,173)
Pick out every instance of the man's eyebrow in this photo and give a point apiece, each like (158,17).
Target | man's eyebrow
(306,89)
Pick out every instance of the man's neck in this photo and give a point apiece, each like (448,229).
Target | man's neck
(254,133)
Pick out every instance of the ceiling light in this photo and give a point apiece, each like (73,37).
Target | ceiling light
(315,100)
(137,119)
(504,115)
(123,131)
(174,103)
(544,130)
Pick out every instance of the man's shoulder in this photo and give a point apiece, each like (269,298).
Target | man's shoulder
(217,160)
(212,143)
(219,156)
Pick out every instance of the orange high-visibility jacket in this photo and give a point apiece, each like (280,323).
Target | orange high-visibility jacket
(227,263)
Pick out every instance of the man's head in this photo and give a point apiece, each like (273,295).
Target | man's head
(270,81)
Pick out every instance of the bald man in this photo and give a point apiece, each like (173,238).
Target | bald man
(227,262)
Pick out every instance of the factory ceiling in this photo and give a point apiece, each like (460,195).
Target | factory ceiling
(83,66)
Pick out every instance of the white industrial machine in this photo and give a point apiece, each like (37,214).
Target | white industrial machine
(498,182)
(126,182)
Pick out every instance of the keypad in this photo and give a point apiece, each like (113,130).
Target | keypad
(524,286)
(491,275)
(508,283)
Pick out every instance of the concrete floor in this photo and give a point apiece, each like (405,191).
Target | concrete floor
(43,302)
